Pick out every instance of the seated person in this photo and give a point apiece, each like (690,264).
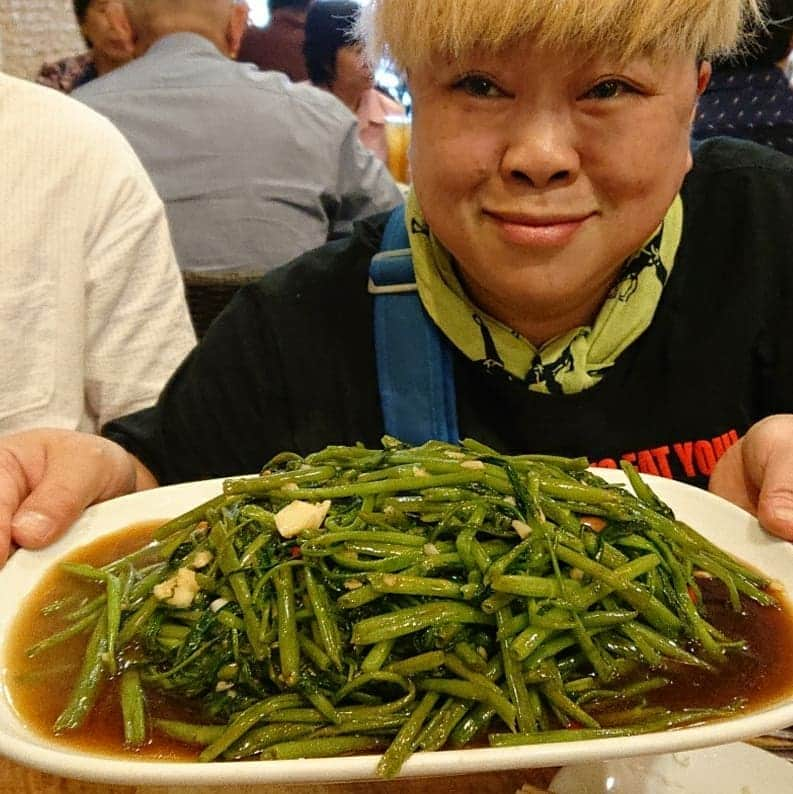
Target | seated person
(587,285)
(749,95)
(106,50)
(253,170)
(278,46)
(94,319)
(336,63)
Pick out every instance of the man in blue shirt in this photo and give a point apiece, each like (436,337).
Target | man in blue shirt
(253,170)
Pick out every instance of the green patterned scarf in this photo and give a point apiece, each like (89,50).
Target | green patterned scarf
(569,363)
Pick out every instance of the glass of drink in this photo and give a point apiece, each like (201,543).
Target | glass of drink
(397,135)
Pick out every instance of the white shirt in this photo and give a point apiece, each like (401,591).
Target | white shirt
(93,318)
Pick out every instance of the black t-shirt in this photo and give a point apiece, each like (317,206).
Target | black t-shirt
(290,364)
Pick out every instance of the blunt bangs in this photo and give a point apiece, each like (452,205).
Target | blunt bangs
(412,32)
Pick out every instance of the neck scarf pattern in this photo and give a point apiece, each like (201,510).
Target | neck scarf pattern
(566,364)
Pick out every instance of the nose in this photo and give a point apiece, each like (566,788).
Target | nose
(540,151)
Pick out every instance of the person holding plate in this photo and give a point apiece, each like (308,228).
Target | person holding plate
(566,277)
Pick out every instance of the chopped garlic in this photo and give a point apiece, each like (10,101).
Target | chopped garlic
(510,500)
(223,686)
(420,471)
(218,604)
(290,486)
(523,529)
(431,550)
(455,455)
(165,589)
(178,590)
(698,574)
(482,651)
(472,464)
(298,516)
(389,580)
(202,559)
(353,584)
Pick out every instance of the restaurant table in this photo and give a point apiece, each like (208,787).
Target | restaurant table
(16,779)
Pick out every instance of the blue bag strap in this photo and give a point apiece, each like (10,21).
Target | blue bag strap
(415,372)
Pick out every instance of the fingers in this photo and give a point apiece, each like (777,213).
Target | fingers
(768,461)
(13,487)
(729,480)
(48,477)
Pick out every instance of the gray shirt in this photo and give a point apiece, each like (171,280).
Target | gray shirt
(253,169)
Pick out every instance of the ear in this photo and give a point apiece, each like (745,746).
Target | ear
(238,23)
(119,22)
(703,77)
(704,71)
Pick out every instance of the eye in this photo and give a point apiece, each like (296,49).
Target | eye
(479,86)
(609,89)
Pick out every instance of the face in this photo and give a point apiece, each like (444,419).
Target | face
(542,172)
(104,36)
(353,75)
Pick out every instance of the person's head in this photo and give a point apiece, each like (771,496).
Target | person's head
(295,5)
(770,42)
(334,57)
(223,22)
(99,33)
(550,137)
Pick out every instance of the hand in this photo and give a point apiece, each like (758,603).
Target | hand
(757,474)
(48,477)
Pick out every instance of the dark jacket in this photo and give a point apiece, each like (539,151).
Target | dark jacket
(290,364)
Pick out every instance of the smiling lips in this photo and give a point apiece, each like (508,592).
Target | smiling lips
(545,231)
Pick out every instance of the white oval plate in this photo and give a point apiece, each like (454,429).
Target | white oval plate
(733,529)
(728,769)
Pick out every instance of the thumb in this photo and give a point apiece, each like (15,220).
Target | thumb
(768,457)
(64,473)
(775,507)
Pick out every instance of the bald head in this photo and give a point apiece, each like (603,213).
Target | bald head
(221,21)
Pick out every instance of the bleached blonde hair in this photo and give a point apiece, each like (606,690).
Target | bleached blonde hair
(411,32)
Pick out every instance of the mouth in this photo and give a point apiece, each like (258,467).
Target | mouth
(538,230)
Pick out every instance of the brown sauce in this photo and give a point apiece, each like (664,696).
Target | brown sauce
(762,675)
(39,688)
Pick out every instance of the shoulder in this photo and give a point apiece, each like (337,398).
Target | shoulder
(738,209)
(303,100)
(390,106)
(739,163)
(63,74)
(65,142)
(37,108)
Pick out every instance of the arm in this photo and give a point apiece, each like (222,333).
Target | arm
(138,328)
(757,474)
(364,185)
(42,491)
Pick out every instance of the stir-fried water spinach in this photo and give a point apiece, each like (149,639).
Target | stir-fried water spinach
(403,599)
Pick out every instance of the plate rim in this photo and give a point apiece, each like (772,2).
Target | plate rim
(29,748)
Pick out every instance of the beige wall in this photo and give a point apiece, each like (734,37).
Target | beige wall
(32,31)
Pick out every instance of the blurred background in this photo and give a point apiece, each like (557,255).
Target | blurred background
(35,31)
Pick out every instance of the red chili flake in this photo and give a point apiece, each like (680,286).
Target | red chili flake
(294,551)
(574,725)
(692,594)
